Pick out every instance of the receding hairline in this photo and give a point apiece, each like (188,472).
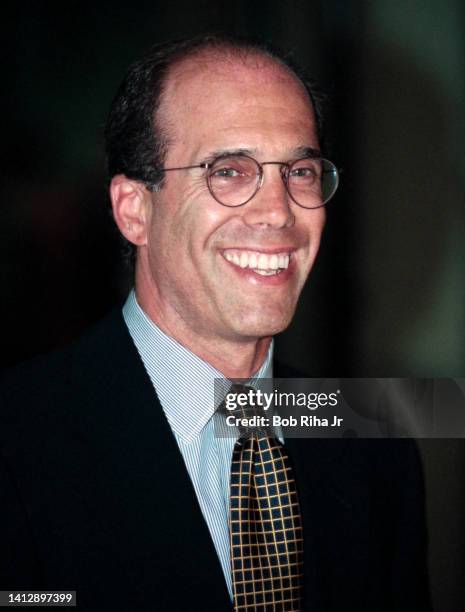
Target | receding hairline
(201,60)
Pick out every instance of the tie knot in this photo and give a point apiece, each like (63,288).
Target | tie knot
(242,396)
(241,403)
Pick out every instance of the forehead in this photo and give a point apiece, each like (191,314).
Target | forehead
(236,101)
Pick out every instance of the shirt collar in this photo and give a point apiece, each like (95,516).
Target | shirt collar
(185,383)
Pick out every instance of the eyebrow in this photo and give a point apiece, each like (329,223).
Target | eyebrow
(221,152)
(307,152)
(302,151)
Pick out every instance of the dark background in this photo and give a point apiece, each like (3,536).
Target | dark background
(387,295)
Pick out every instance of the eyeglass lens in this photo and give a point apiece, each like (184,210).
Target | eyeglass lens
(234,180)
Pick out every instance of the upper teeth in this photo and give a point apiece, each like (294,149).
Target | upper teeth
(257,260)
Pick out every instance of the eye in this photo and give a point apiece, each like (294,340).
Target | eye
(225,172)
(306,169)
(304,172)
(233,169)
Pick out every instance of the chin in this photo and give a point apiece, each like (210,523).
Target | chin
(263,326)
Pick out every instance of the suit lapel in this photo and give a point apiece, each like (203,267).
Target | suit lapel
(335,505)
(335,508)
(149,507)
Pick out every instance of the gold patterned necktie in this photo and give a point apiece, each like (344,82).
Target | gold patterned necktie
(265,527)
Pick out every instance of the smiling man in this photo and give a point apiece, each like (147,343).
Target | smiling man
(113,481)
(223,250)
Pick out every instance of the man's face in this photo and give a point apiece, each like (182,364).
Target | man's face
(197,248)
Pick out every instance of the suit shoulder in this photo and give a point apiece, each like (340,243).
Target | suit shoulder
(53,378)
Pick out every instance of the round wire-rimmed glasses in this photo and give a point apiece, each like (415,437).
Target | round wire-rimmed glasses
(233,180)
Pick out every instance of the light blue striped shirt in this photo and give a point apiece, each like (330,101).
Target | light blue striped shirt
(184,384)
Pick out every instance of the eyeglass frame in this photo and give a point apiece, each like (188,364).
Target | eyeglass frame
(285,170)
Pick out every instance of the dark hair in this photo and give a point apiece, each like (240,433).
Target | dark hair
(135,144)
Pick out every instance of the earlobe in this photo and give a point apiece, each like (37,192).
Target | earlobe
(130,204)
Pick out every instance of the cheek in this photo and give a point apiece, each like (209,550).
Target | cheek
(183,227)
(314,223)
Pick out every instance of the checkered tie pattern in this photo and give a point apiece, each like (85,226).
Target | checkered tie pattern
(265,527)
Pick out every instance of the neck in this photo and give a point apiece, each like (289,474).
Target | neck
(234,359)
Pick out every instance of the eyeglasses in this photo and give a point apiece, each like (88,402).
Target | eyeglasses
(233,180)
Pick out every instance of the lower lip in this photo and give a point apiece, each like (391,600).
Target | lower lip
(272,280)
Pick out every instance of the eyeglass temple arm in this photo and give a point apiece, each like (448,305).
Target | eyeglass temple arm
(157,187)
(203,165)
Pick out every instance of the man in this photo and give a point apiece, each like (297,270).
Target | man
(114,483)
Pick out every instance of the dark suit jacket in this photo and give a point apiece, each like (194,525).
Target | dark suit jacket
(95,497)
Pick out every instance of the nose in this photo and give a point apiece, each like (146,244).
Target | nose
(271,205)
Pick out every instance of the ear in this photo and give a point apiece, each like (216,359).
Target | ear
(130,201)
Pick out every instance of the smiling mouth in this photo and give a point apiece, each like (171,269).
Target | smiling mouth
(265,264)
